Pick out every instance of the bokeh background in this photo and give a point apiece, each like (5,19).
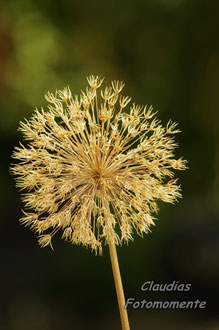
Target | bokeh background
(167,52)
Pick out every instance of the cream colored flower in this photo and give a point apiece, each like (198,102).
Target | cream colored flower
(92,170)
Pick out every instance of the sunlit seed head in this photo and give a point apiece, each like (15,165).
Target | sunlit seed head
(92,170)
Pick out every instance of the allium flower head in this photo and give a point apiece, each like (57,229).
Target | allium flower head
(92,170)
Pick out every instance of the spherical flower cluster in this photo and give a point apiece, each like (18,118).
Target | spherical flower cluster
(93,171)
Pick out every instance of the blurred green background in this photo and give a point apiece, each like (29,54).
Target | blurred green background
(167,52)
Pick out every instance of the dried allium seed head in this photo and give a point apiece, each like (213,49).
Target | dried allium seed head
(92,170)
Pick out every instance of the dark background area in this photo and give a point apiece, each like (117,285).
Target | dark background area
(167,52)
